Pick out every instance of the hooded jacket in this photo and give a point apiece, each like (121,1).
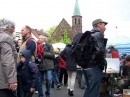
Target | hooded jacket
(27,71)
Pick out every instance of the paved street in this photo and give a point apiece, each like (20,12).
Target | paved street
(64,92)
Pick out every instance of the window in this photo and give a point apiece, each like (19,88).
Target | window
(75,21)
(79,21)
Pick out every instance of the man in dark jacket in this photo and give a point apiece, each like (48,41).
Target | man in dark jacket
(28,72)
(126,83)
(94,73)
(70,67)
(46,66)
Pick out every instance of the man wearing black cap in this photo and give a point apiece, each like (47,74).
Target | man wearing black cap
(94,73)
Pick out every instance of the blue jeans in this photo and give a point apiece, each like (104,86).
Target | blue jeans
(48,82)
(93,77)
(80,77)
(55,78)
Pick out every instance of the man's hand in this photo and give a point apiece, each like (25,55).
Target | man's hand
(116,90)
(32,89)
(13,86)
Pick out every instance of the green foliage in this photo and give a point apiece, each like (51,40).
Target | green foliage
(52,41)
(66,39)
(50,31)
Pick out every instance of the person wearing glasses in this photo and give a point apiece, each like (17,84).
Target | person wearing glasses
(8,73)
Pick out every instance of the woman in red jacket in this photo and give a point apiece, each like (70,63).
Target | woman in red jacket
(63,71)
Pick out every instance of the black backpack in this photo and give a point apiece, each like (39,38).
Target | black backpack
(82,47)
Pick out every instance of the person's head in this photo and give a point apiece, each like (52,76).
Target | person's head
(25,56)
(56,50)
(42,39)
(22,58)
(127,60)
(111,47)
(7,25)
(19,41)
(100,25)
(26,31)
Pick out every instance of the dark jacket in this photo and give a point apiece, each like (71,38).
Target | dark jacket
(16,46)
(126,71)
(70,61)
(48,57)
(27,72)
(124,86)
(56,62)
(98,54)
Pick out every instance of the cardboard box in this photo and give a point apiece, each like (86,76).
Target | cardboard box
(119,82)
(103,88)
(125,95)
(126,92)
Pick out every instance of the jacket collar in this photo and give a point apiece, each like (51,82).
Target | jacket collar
(25,38)
(96,30)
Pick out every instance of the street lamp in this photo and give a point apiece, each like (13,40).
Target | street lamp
(116,30)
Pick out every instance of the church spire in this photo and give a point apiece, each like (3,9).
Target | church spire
(77,19)
(76,9)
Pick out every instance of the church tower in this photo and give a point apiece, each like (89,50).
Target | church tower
(77,19)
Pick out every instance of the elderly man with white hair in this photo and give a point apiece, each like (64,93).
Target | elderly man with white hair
(8,75)
(46,66)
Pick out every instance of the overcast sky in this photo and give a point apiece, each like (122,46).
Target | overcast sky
(43,14)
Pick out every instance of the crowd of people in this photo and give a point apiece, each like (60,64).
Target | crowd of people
(21,75)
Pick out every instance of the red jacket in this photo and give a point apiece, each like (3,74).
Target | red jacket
(114,52)
(62,63)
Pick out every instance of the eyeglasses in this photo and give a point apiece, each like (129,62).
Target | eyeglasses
(13,27)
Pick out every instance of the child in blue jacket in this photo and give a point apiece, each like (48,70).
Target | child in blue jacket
(28,74)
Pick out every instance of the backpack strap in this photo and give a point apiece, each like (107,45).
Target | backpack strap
(28,40)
